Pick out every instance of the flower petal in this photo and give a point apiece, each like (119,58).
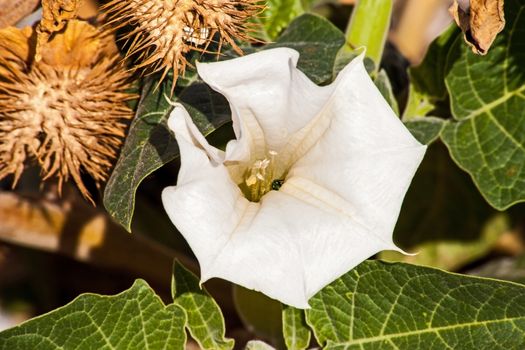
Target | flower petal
(290,248)
(274,98)
(372,155)
(204,193)
(217,221)
(353,161)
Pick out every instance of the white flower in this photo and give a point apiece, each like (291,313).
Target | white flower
(338,158)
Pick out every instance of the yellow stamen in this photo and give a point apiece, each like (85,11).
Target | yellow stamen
(260,176)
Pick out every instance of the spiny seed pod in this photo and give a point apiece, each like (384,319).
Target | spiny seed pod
(165,30)
(68,110)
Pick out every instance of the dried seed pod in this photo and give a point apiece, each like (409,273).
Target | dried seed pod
(165,30)
(68,110)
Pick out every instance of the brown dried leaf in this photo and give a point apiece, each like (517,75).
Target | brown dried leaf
(480,21)
(14,50)
(80,45)
(55,14)
(12,11)
(88,9)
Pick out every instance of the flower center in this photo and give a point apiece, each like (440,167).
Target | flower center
(259,178)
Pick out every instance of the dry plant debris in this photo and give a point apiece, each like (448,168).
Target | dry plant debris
(12,11)
(480,21)
(163,31)
(72,228)
(67,110)
(56,13)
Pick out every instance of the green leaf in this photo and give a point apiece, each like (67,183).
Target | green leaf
(441,205)
(369,27)
(317,40)
(342,58)
(383,84)
(425,130)
(427,81)
(277,15)
(385,306)
(345,56)
(295,330)
(134,319)
(487,136)
(204,318)
(149,143)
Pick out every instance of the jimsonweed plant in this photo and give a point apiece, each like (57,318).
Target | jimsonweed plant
(306,183)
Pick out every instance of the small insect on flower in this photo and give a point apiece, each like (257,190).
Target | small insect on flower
(276,184)
(164,31)
(67,110)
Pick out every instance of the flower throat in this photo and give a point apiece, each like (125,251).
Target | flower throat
(259,179)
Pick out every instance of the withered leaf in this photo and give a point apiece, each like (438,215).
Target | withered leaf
(14,51)
(480,21)
(79,45)
(55,14)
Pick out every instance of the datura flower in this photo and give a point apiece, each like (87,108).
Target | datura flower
(311,186)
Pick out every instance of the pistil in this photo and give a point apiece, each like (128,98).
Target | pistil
(260,177)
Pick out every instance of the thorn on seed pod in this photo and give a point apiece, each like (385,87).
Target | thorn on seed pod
(164,31)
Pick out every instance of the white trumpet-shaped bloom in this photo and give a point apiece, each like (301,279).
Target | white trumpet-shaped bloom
(311,186)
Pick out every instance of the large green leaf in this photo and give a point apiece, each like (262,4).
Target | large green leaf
(399,306)
(441,204)
(444,218)
(149,143)
(134,319)
(427,81)
(487,136)
(317,40)
(425,129)
(204,317)
(295,330)
(385,87)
